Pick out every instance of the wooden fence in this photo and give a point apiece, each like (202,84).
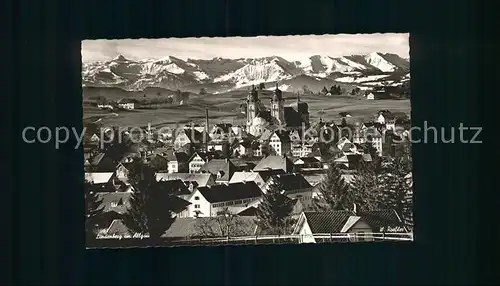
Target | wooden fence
(263,239)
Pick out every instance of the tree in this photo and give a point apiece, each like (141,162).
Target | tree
(333,191)
(305,89)
(369,148)
(262,86)
(389,189)
(92,211)
(225,224)
(226,150)
(365,187)
(274,210)
(324,90)
(203,91)
(151,207)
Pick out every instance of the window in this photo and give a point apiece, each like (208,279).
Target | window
(114,204)
(196,198)
(196,206)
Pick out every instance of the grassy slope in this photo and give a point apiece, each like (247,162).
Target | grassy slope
(226,107)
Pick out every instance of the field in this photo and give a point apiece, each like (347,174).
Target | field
(226,108)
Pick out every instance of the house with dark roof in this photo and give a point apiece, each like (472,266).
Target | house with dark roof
(307,163)
(126,103)
(311,224)
(278,143)
(196,180)
(295,186)
(211,200)
(177,162)
(222,169)
(197,160)
(275,163)
(241,177)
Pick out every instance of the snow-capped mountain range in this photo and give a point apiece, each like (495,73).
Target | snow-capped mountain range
(220,74)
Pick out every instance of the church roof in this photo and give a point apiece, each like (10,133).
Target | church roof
(253,95)
(277,94)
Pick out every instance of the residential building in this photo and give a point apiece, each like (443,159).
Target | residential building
(198,180)
(295,186)
(223,169)
(197,161)
(307,163)
(371,135)
(359,224)
(211,200)
(241,177)
(279,143)
(275,163)
(177,162)
(126,103)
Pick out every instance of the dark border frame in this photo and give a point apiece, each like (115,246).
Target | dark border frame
(47,206)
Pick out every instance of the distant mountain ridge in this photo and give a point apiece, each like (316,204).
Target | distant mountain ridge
(220,74)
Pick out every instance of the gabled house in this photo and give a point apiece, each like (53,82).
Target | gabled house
(197,180)
(196,161)
(98,177)
(369,134)
(295,186)
(243,148)
(241,177)
(102,163)
(223,169)
(211,200)
(307,163)
(126,103)
(331,222)
(177,162)
(275,163)
(359,225)
(279,143)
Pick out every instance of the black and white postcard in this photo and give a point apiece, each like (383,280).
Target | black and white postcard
(247,140)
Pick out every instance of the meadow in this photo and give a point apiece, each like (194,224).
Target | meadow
(226,108)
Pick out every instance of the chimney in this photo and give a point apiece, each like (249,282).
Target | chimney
(354,210)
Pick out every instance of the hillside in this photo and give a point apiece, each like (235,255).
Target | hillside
(220,75)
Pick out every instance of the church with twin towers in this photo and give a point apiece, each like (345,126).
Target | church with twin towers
(260,117)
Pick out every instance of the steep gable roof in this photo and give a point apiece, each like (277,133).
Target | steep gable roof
(121,199)
(387,218)
(291,182)
(215,166)
(327,222)
(201,180)
(274,163)
(230,192)
(98,177)
(239,177)
(178,187)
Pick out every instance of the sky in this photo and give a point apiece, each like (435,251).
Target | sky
(288,47)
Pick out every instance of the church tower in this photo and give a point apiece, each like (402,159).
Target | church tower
(278,106)
(303,110)
(253,106)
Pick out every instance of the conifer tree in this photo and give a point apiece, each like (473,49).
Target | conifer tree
(92,211)
(151,207)
(324,90)
(333,191)
(396,189)
(274,210)
(365,187)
